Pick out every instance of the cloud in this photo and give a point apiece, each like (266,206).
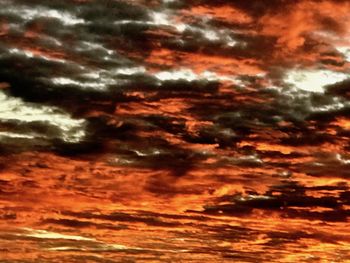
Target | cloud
(234,111)
(29,117)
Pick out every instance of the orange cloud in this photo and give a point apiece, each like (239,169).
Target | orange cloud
(224,13)
(291,27)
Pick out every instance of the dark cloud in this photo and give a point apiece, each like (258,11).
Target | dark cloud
(289,200)
(124,217)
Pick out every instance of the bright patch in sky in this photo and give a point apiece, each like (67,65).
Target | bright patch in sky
(13,109)
(314,81)
(189,75)
(30,13)
(345,51)
(52,235)
(32,55)
(14,135)
(98,245)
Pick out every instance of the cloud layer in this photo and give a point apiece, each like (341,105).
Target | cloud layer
(221,127)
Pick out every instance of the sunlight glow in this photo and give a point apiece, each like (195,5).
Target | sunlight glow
(314,81)
(52,235)
(29,13)
(189,75)
(13,109)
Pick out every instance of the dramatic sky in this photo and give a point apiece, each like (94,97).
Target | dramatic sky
(174,131)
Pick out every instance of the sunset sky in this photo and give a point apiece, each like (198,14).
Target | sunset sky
(174,131)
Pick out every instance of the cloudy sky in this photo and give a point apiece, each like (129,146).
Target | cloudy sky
(169,131)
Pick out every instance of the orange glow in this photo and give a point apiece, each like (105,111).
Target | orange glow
(223,66)
(166,106)
(224,13)
(271,147)
(343,123)
(4,28)
(292,26)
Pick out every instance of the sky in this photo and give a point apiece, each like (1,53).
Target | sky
(169,131)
